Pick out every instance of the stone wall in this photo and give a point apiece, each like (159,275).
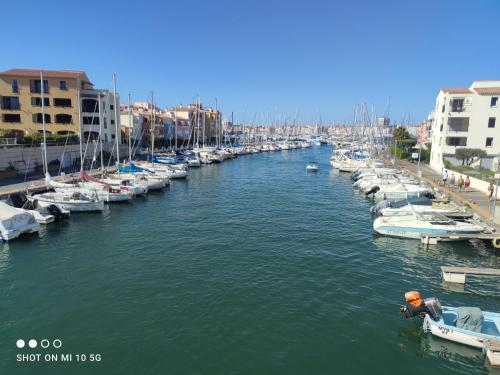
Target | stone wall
(25,158)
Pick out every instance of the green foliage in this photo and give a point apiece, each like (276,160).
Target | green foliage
(468,155)
(400,133)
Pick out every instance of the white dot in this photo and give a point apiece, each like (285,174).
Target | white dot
(20,343)
(32,343)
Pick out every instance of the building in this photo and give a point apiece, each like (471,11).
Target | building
(467,118)
(21,104)
(383,121)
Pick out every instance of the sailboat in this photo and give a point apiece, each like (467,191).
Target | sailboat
(72,201)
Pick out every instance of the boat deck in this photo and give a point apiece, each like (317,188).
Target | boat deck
(457,274)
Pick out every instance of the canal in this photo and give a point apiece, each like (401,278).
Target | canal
(253,266)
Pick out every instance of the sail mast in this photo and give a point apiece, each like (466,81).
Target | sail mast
(130,125)
(44,156)
(100,131)
(152,127)
(117,134)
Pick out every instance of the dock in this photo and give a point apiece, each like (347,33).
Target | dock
(457,274)
(492,349)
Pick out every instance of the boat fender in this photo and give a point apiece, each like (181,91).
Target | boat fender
(373,190)
(496,242)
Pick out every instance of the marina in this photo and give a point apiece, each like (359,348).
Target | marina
(213,291)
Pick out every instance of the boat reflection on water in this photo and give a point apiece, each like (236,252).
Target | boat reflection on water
(456,354)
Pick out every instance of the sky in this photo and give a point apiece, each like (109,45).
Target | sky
(299,61)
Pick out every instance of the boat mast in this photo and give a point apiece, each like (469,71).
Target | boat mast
(100,131)
(152,127)
(130,125)
(175,127)
(80,124)
(116,121)
(44,145)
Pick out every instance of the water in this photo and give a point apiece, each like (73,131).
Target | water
(250,267)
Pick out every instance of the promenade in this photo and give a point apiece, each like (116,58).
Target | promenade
(476,200)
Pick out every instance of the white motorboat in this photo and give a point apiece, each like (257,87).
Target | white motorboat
(72,201)
(14,222)
(312,167)
(418,225)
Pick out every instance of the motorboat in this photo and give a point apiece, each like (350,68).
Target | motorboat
(419,224)
(447,326)
(15,222)
(312,167)
(464,325)
(193,161)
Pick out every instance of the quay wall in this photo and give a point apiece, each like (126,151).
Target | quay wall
(25,159)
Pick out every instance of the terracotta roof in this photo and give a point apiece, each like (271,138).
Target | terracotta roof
(459,90)
(46,73)
(487,90)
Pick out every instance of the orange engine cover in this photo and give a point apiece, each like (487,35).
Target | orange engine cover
(413,298)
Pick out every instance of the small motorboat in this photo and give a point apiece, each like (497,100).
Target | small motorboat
(464,325)
(312,167)
(417,225)
(16,221)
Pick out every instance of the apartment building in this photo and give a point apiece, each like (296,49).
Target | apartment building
(467,118)
(21,103)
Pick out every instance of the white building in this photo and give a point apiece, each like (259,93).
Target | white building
(91,108)
(467,118)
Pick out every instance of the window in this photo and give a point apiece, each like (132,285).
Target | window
(457,105)
(62,85)
(90,120)
(37,101)
(12,118)
(491,122)
(15,86)
(111,106)
(37,118)
(62,118)
(10,102)
(89,105)
(489,142)
(494,101)
(105,123)
(456,141)
(36,87)
(112,122)
(112,136)
(62,102)
(442,109)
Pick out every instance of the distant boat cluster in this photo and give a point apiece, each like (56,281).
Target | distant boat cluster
(24,213)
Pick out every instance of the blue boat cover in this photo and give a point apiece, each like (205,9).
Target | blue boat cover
(470,318)
(132,168)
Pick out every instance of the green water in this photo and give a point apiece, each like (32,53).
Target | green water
(250,267)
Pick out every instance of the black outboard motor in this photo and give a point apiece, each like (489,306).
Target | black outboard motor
(380,206)
(18,200)
(373,190)
(416,306)
(57,213)
(430,195)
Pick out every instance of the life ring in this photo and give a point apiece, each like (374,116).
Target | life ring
(496,242)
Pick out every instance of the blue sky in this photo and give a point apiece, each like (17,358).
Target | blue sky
(260,58)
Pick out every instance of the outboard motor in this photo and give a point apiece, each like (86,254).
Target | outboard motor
(416,306)
(430,195)
(373,190)
(56,212)
(380,206)
(18,200)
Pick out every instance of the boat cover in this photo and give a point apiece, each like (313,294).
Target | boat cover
(470,318)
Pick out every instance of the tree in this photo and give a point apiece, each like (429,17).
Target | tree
(400,133)
(468,155)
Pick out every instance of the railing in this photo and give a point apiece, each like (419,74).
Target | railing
(8,141)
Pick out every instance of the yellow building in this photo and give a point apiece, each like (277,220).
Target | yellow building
(20,100)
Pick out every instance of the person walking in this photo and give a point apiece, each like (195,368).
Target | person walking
(445,176)
(452,180)
(460,182)
(467,183)
(491,189)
